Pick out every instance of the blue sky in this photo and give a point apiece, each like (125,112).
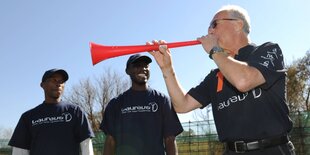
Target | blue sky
(37,35)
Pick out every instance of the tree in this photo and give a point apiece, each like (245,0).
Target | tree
(298,84)
(84,94)
(109,85)
(298,91)
(5,135)
(92,97)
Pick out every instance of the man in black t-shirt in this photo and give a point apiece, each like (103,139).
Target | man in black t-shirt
(53,127)
(140,121)
(246,91)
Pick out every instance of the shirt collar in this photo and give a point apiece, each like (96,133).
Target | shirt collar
(245,51)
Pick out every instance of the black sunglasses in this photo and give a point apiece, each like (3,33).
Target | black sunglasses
(213,24)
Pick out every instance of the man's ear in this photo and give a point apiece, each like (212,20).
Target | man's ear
(41,84)
(127,72)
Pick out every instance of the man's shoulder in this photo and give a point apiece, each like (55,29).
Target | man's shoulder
(157,93)
(268,44)
(34,109)
(69,104)
(118,98)
(121,95)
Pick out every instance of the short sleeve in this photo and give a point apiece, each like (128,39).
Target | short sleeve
(172,125)
(268,59)
(21,135)
(203,92)
(83,129)
(107,123)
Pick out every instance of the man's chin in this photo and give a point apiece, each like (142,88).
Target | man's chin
(142,82)
(57,95)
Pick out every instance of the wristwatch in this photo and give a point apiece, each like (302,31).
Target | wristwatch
(215,49)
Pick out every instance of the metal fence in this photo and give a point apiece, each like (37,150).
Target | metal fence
(200,138)
(300,134)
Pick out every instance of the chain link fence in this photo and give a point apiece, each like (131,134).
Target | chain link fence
(200,138)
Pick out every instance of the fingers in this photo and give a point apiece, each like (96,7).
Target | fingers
(151,43)
(163,49)
(156,42)
(148,43)
(208,42)
(162,42)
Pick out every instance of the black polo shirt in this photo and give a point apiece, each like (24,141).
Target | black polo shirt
(257,114)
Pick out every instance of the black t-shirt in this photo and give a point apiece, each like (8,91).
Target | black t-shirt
(52,129)
(257,114)
(139,120)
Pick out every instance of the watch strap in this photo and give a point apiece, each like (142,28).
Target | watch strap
(215,49)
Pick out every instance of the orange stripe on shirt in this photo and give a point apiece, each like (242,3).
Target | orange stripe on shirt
(220,79)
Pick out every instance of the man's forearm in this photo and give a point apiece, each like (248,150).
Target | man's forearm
(171,146)
(109,146)
(175,90)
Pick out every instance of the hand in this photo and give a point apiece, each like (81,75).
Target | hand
(163,56)
(208,42)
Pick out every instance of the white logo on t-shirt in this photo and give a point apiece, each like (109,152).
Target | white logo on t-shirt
(151,107)
(64,117)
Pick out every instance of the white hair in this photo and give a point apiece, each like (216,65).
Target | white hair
(240,13)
